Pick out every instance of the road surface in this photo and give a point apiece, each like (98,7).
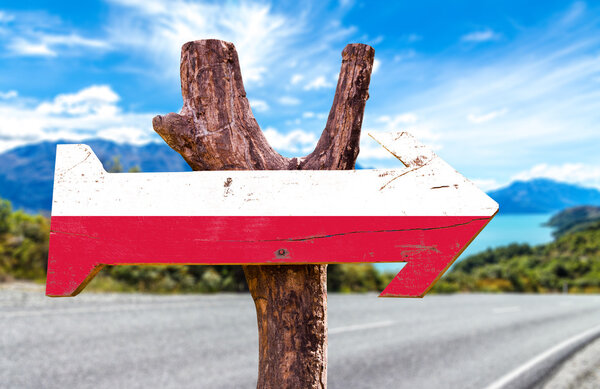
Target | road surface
(210,341)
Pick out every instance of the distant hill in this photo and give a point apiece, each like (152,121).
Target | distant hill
(27,172)
(543,195)
(574,219)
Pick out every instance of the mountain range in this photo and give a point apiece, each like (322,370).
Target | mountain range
(27,173)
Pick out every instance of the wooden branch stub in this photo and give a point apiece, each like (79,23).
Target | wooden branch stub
(216,130)
(338,146)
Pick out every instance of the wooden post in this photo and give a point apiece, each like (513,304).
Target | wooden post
(216,130)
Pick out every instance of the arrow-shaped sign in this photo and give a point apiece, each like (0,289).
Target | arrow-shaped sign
(425,214)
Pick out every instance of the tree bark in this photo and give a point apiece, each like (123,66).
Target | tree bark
(216,130)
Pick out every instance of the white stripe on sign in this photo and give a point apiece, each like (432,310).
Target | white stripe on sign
(428,186)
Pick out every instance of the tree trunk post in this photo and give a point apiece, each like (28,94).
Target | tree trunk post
(216,130)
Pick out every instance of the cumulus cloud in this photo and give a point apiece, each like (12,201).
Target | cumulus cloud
(296,78)
(376,65)
(8,95)
(296,141)
(259,105)
(88,113)
(319,82)
(96,99)
(288,100)
(574,173)
(158,28)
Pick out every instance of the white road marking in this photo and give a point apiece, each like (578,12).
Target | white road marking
(508,378)
(501,310)
(359,327)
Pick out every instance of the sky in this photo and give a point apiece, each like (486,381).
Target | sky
(502,90)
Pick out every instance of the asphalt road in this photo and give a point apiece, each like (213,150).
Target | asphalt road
(143,341)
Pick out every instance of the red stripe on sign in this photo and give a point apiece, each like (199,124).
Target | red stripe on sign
(79,245)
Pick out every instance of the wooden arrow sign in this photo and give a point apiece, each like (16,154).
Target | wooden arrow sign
(425,214)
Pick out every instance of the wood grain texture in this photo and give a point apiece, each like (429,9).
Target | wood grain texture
(423,214)
(427,244)
(216,130)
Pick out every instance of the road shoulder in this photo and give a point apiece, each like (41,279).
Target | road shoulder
(581,371)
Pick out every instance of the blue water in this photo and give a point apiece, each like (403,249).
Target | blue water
(502,230)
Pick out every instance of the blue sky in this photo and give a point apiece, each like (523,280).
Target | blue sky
(503,90)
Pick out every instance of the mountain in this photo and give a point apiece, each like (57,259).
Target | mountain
(543,195)
(27,172)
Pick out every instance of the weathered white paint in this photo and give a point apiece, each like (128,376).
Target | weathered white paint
(428,186)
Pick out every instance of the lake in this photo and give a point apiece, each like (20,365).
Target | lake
(502,230)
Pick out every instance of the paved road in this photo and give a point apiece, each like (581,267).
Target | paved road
(142,341)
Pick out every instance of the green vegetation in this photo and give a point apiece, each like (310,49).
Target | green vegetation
(23,244)
(572,261)
(574,219)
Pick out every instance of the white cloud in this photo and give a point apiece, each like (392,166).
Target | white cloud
(158,28)
(20,46)
(486,184)
(481,36)
(296,141)
(574,173)
(125,134)
(477,119)
(296,78)
(47,45)
(405,55)
(94,99)
(259,105)
(394,122)
(89,113)
(312,115)
(288,100)
(376,65)
(5,17)
(8,95)
(295,122)
(319,82)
